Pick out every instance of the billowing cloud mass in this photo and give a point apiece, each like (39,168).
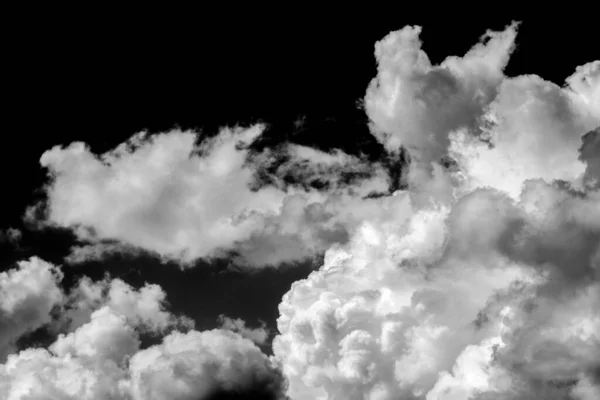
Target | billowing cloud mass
(479,281)
(27,296)
(482,279)
(167,195)
(99,355)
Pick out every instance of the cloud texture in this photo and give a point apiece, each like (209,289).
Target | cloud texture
(167,195)
(480,281)
(98,355)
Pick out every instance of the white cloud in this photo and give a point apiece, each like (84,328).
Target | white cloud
(28,294)
(144,308)
(31,298)
(238,325)
(106,337)
(183,201)
(158,193)
(195,364)
(480,281)
(99,357)
(102,360)
(536,134)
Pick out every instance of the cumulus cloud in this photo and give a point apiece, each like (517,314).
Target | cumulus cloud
(482,279)
(100,355)
(144,308)
(28,294)
(31,297)
(257,335)
(196,364)
(102,360)
(181,200)
(414,104)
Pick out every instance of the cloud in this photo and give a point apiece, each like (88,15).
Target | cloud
(143,308)
(196,364)
(481,280)
(536,132)
(182,201)
(28,294)
(102,360)
(414,104)
(100,355)
(11,235)
(238,325)
(31,297)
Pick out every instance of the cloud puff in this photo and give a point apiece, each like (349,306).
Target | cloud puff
(167,195)
(238,325)
(28,294)
(482,279)
(31,298)
(195,364)
(102,360)
(144,308)
(414,104)
(99,357)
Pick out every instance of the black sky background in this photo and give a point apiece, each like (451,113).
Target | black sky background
(99,80)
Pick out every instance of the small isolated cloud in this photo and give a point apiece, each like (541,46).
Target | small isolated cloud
(480,280)
(414,104)
(238,325)
(98,251)
(167,195)
(11,235)
(31,298)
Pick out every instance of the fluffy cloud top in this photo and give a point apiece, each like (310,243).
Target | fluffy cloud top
(144,308)
(99,357)
(166,194)
(193,365)
(482,280)
(27,296)
(102,360)
(479,281)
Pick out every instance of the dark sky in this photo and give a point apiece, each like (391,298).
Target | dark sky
(99,80)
